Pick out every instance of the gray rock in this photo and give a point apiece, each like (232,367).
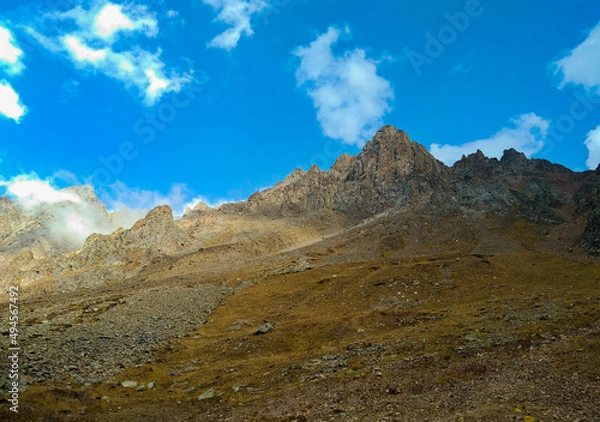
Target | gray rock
(264,329)
(129,384)
(208,394)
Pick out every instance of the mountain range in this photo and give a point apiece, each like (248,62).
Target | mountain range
(391,172)
(390,287)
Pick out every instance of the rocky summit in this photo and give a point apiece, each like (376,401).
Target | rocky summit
(390,287)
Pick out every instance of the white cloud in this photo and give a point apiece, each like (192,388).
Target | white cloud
(31,192)
(527,136)
(172,14)
(593,145)
(105,19)
(10,53)
(104,40)
(157,84)
(81,52)
(237,14)
(350,97)
(10,102)
(70,215)
(580,65)
(110,20)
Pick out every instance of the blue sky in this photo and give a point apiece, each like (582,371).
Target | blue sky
(171,102)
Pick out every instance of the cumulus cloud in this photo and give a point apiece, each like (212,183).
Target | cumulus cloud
(348,94)
(102,38)
(580,65)
(237,14)
(527,135)
(593,145)
(10,53)
(31,192)
(111,20)
(68,215)
(11,56)
(10,102)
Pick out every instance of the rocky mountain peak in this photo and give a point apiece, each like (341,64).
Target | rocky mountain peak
(391,170)
(511,155)
(157,232)
(391,155)
(294,176)
(197,210)
(389,133)
(512,163)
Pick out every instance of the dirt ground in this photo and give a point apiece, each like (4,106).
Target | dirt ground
(476,319)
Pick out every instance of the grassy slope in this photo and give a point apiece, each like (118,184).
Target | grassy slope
(385,326)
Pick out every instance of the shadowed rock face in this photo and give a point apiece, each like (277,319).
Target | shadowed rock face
(529,187)
(591,235)
(390,171)
(588,202)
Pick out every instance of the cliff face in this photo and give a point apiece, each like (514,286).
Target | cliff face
(588,203)
(390,171)
(533,188)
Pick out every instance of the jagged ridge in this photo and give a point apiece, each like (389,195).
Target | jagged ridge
(390,172)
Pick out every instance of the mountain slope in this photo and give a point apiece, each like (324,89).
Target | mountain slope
(390,287)
(391,172)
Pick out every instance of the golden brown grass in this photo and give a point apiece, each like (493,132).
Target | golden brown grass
(425,326)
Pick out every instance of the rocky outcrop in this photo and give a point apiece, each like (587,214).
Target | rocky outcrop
(197,210)
(157,233)
(152,237)
(103,257)
(390,171)
(11,218)
(591,234)
(588,202)
(21,231)
(513,183)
